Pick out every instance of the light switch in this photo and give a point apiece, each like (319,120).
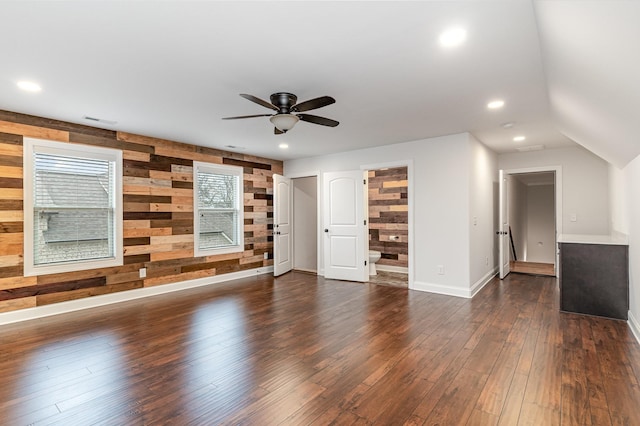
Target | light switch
(574,217)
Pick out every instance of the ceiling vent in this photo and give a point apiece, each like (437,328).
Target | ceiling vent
(99,120)
(530,148)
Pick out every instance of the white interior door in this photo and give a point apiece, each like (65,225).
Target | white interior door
(503,219)
(282,237)
(345,245)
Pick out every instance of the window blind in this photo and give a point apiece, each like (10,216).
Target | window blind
(73,208)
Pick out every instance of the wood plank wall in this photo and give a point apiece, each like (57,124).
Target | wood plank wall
(389,215)
(158,214)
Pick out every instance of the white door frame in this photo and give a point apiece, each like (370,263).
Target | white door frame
(411,199)
(316,174)
(558,200)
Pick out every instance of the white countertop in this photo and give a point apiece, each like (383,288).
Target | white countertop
(614,239)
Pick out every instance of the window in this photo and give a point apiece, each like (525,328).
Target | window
(72,207)
(218,209)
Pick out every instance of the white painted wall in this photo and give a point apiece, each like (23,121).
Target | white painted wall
(585,185)
(483,218)
(305,223)
(439,174)
(625,213)
(541,227)
(517,194)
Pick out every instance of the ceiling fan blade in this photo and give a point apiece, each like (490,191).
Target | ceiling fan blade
(259,101)
(318,120)
(277,131)
(313,104)
(247,116)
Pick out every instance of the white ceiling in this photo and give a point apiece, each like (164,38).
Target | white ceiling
(173,69)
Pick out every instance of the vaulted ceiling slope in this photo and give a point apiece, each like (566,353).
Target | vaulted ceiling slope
(173,69)
(591,53)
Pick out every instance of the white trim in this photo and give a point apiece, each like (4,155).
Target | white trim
(456,291)
(107,299)
(558,201)
(479,285)
(31,145)
(309,271)
(220,169)
(319,236)
(392,268)
(441,289)
(634,325)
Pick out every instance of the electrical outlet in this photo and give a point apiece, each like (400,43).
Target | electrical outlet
(143,272)
(486,260)
(266,255)
(574,217)
(440,269)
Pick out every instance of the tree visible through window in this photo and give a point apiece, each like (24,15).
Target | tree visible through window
(218,208)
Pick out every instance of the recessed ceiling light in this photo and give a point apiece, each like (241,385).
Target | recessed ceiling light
(29,86)
(519,138)
(283,146)
(453,37)
(498,103)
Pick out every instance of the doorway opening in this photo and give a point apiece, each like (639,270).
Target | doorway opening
(388,213)
(532,222)
(305,224)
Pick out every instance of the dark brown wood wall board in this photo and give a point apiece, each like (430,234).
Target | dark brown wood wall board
(11,227)
(396,171)
(183,185)
(395,202)
(10,182)
(134,198)
(10,138)
(108,142)
(11,271)
(17,293)
(11,204)
(10,161)
(137,259)
(50,123)
(248,165)
(135,172)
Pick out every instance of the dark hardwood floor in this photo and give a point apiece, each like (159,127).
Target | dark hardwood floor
(303,350)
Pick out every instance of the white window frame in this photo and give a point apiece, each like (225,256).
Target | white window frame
(223,169)
(30,146)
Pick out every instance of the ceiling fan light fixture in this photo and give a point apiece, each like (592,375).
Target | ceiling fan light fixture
(284,122)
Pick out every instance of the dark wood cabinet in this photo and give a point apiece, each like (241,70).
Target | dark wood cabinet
(594,279)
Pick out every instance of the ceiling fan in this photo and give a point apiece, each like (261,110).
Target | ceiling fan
(288,111)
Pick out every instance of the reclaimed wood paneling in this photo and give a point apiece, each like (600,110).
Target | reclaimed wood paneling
(157,213)
(389,215)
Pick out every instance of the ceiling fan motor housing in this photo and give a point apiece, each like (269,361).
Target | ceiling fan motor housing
(284,101)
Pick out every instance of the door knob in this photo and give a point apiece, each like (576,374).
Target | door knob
(326,230)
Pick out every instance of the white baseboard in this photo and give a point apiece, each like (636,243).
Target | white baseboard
(309,271)
(479,285)
(107,299)
(634,325)
(392,268)
(455,291)
(441,289)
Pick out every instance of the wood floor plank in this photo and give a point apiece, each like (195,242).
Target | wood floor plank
(299,349)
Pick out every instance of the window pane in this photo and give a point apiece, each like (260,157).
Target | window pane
(218,213)
(218,229)
(217,191)
(73,212)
